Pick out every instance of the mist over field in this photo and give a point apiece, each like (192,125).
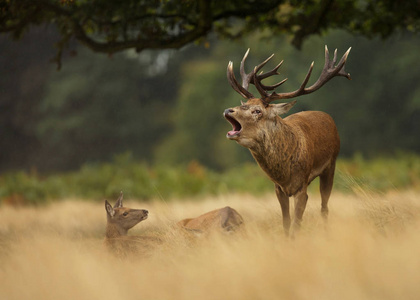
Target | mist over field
(368,250)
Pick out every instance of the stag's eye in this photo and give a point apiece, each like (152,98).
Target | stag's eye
(257,111)
(125,214)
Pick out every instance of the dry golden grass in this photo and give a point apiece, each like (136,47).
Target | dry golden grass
(369,250)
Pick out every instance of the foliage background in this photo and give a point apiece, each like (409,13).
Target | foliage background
(167,106)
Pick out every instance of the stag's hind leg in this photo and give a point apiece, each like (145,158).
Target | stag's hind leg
(301,198)
(284,203)
(326,181)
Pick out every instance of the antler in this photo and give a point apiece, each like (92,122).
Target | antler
(329,71)
(252,77)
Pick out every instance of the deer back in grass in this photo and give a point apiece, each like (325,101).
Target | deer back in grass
(291,151)
(224,219)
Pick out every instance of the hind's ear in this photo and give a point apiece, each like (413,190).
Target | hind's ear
(119,201)
(109,210)
(282,108)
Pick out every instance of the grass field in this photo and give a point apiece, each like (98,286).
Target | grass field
(369,250)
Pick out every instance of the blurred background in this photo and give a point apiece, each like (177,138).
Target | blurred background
(150,122)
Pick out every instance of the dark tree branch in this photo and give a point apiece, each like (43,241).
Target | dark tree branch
(137,24)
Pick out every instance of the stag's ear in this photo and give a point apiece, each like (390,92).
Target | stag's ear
(109,210)
(282,108)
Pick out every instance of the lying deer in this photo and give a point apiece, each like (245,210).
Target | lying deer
(224,219)
(292,151)
(119,220)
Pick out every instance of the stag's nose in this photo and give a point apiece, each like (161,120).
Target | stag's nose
(146,211)
(228,111)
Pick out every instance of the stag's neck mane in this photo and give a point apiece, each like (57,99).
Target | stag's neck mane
(278,150)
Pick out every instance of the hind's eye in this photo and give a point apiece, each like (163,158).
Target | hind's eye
(257,111)
(125,214)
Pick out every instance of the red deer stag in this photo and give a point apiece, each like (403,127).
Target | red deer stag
(292,151)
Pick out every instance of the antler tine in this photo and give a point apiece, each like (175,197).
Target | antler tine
(308,75)
(342,63)
(262,76)
(244,76)
(257,68)
(327,63)
(259,86)
(301,90)
(274,86)
(235,85)
(271,73)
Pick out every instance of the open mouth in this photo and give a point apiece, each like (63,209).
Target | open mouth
(236,126)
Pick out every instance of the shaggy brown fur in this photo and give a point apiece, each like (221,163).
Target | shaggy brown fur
(291,151)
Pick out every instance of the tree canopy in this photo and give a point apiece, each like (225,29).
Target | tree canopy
(111,26)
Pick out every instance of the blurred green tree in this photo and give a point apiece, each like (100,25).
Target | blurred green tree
(24,69)
(198,123)
(98,107)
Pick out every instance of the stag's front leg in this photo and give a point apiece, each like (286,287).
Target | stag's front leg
(284,203)
(301,198)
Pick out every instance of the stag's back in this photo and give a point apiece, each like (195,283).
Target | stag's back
(318,135)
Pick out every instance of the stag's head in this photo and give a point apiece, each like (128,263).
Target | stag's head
(258,116)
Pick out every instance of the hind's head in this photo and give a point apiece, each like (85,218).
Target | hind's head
(124,218)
